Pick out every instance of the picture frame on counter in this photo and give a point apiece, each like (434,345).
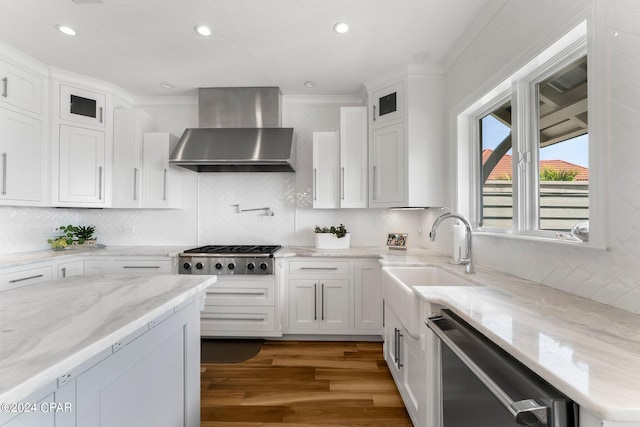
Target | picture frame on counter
(397,241)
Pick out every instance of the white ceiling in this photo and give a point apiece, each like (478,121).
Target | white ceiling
(137,44)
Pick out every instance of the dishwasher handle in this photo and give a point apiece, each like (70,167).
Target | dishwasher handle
(526,412)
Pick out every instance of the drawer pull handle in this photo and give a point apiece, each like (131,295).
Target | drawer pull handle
(26,278)
(140,266)
(237,319)
(5,83)
(318,268)
(236,293)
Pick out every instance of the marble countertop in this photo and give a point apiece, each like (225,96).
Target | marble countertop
(589,351)
(49,328)
(25,258)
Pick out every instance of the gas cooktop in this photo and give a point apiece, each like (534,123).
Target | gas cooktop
(235,250)
(228,259)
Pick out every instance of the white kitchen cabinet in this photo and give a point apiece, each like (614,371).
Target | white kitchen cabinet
(407,149)
(24,276)
(387,104)
(338,296)
(340,163)
(82,175)
(20,88)
(121,386)
(22,159)
(160,182)
(240,306)
(82,106)
(70,268)
(326,157)
(367,296)
(129,126)
(98,266)
(319,304)
(388,166)
(353,157)
(407,364)
(101,265)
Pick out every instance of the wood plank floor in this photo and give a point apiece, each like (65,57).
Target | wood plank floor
(303,384)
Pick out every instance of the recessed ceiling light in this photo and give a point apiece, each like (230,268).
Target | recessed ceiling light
(310,83)
(203,30)
(341,27)
(65,29)
(166,85)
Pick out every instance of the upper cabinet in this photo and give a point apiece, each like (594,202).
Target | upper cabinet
(82,167)
(23,166)
(82,106)
(325,170)
(129,126)
(340,163)
(82,144)
(20,88)
(406,149)
(387,104)
(21,159)
(353,157)
(160,181)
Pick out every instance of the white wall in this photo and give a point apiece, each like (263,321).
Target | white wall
(519,28)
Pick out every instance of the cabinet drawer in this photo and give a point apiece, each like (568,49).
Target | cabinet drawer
(24,277)
(232,321)
(241,294)
(142,266)
(316,268)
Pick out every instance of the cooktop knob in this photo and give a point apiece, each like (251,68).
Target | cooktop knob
(231,266)
(186,266)
(263,266)
(218,266)
(251,266)
(199,266)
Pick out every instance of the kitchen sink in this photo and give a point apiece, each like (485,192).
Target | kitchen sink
(398,283)
(427,276)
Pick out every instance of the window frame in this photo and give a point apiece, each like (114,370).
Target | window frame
(521,85)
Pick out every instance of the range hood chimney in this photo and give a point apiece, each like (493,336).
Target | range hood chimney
(240,131)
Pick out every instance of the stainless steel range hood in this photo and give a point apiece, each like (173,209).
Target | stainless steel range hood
(240,131)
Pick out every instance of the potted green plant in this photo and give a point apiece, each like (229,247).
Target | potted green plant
(333,237)
(63,240)
(84,235)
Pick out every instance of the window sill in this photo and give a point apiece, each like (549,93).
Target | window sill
(542,239)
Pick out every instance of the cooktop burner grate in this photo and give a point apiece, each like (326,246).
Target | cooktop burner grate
(235,249)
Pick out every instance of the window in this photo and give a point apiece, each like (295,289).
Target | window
(496,180)
(529,140)
(563,156)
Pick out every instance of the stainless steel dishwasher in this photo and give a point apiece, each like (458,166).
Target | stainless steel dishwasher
(483,386)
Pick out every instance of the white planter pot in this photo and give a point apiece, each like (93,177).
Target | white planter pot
(330,241)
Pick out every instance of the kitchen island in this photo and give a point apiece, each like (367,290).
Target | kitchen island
(102,350)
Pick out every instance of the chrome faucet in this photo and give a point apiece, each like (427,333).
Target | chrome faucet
(467,235)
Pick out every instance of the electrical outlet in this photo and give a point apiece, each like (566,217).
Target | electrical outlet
(128,229)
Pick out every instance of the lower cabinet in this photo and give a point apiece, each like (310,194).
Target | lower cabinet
(319,304)
(407,363)
(338,296)
(237,306)
(100,265)
(149,378)
(24,276)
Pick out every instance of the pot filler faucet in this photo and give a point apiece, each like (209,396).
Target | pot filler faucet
(467,236)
